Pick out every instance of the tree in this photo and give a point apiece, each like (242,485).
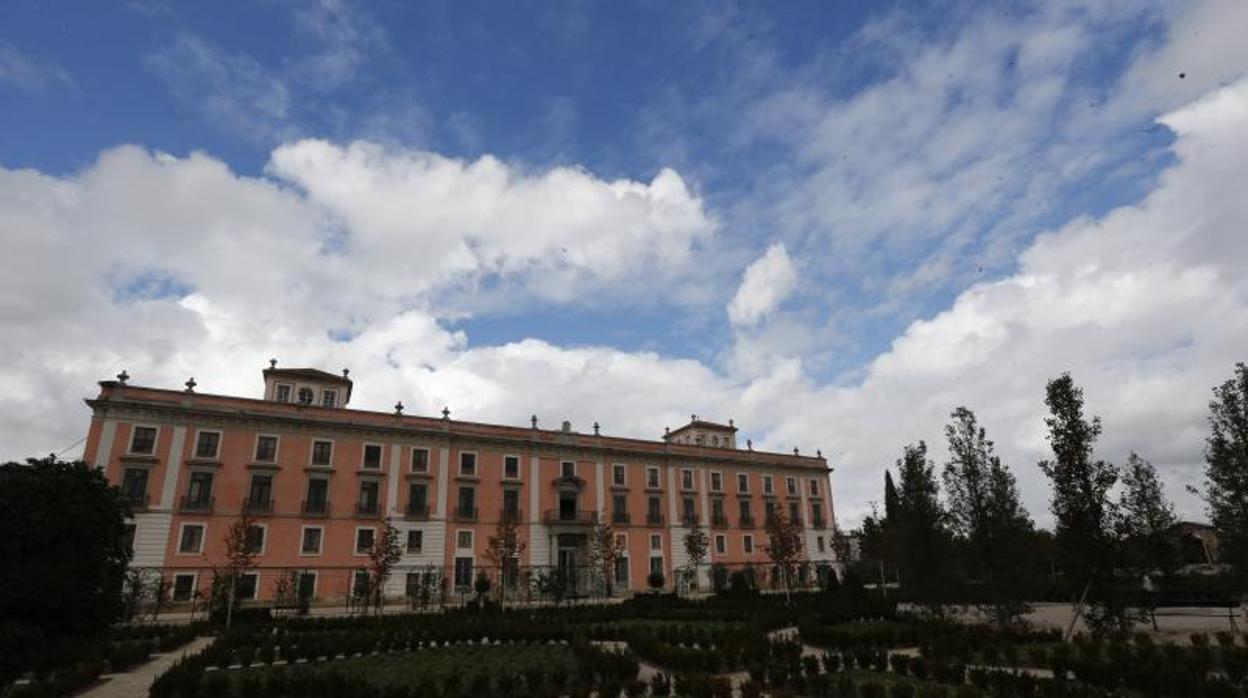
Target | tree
(65,551)
(985,512)
(503,550)
(924,544)
(784,547)
(240,557)
(1081,505)
(1144,522)
(382,558)
(696,546)
(876,546)
(602,553)
(1226,470)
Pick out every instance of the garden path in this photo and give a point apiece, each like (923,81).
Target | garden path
(137,681)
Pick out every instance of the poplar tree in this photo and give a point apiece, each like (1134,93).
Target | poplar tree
(924,545)
(1226,470)
(985,512)
(1081,506)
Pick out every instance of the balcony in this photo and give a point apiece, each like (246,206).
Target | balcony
(621,517)
(258,506)
(367,510)
(797,522)
(654,519)
(719,521)
(416,511)
(315,507)
(465,513)
(570,517)
(818,523)
(197,504)
(137,501)
(509,515)
(690,519)
(745,522)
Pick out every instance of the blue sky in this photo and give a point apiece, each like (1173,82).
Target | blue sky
(871,164)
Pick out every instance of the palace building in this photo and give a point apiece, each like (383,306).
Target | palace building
(319,480)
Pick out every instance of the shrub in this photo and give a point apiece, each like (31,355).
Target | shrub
(900,663)
(901,689)
(831,662)
(751,688)
(810,665)
(660,685)
(870,688)
(934,690)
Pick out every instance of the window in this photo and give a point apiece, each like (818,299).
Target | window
(468,464)
(307,585)
(248,585)
(617,474)
(790,485)
(311,543)
(415,542)
(794,513)
(690,516)
(721,544)
(652,477)
(134,486)
(511,503)
(770,510)
(255,539)
(282,393)
(364,540)
(621,543)
(656,541)
(199,490)
(745,510)
(717,512)
(619,509)
(653,510)
(717,482)
(814,488)
(767,484)
(511,467)
(686,479)
(467,503)
(420,460)
(191,540)
(463,572)
(207,444)
(260,494)
(621,571)
(183,587)
(567,468)
(266,449)
(417,498)
(372,456)
(318,496)
(819,543)
(143,441)
(359,584)
(747,544)
(368,503)
(329,398)
(463,540)
(743,483)
(322,452)
(305,396)
(715,441)
(656,564)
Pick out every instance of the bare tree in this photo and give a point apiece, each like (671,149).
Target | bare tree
(784,547)
(382,558)
(504,549)
(602,553)
(696,546)
(240,556)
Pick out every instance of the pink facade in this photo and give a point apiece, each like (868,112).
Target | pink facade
(316,478)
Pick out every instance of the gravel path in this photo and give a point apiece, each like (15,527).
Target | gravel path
(134,684)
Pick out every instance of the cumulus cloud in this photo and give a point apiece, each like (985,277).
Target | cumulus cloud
(767,282)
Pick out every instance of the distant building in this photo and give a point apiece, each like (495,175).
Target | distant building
(318,478)
(1198,543)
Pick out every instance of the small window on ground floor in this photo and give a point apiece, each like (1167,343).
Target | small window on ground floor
(721,544)
(183,587)
(656,564)
(359,584)
(747,544)
(463,572)
(621,571)
(248,586)
(415,542)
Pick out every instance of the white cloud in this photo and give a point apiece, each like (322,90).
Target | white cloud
(767,282)
(27,73)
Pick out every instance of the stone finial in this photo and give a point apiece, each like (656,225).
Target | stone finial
(749,444)
(819,453)
(398,407)
(693,417)
(346,372)
(272,363)
(533,421)
(190,384)
(123,377)
(446,413)
(795,450)
(595,428)
(730,422)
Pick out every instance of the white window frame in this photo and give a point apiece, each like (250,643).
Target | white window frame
(768,485)
(329,391)
(621,543)
(277,448)
(657,480)
(203,535)
(320,548)
(264,543)
(411,459)
(476,464)
(309,403)
(566,462)
(255,588)
(814,487)
(746,481)
(519,466)
(277,391)
(355,574)
(623,470)
(316,580)
(312,453)
(720,475)
(381,456)
(721,544)
(134,428)
(747,544)
(790,486)
(656,538)
(686,475)
(355,543)
(407,544)
(195,449)
(173,586)
(472,540)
